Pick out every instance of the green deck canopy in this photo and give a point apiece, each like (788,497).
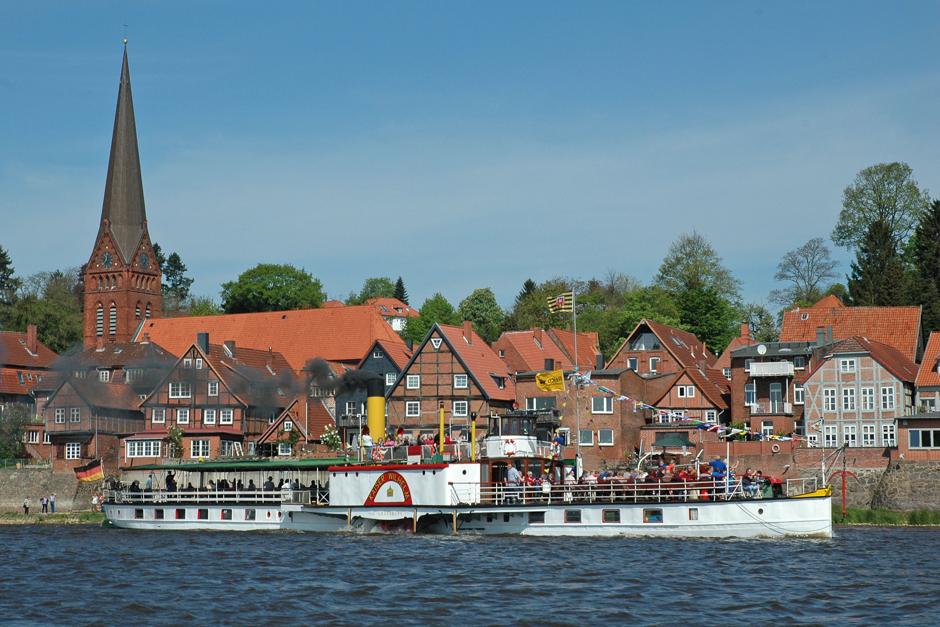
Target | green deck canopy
(672,440)
(246,465)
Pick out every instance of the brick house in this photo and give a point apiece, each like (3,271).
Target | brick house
(455,367)
(222,397)
(693,393)
(899,327)
(856,392)
(547,349)
(723,363)
(25,366)
(928,376)
(654,348)
(919,437)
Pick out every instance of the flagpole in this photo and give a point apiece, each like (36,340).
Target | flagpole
(577,385)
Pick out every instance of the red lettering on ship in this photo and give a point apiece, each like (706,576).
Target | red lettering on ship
(384,479)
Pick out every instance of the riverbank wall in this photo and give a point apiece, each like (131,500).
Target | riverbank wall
(17,484)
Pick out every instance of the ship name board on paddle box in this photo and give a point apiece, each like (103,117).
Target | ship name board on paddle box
(404,485)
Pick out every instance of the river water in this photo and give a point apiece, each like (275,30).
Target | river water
(90,575)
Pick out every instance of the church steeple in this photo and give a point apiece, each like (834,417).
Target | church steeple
(123,206)
(122,279)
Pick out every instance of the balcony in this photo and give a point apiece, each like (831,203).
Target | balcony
(771,408)
(771,369)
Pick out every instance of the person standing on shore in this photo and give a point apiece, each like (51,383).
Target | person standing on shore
(44,503)
(26,506)
(52,503)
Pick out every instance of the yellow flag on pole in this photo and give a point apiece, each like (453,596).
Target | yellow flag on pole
(551,381)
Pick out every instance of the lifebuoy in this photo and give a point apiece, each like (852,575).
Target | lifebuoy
(775,448)
(509,448)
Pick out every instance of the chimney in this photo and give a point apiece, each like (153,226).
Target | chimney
(31,344)
(820,336)
(600,361)
(829,334)
(202,341)
(746,331)
(468,331)
(230,348)
(549,363)
(99,344)
(537,335)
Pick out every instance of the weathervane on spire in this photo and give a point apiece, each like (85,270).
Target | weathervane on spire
(125,35)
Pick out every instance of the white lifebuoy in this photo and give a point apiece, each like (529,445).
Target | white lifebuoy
(509,448)
(775,448)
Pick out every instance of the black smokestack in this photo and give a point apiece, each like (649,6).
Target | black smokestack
(322,375)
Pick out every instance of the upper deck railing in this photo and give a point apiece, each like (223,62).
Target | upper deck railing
(188,497)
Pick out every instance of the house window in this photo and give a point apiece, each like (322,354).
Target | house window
(60,415)
(812,440)
(924,438)
(75,414)
(849,435)
(502,353)
(848,399)
(413,381)
(284,448)
(602,405)
(181,390)
(182,416)
(847,365)
(377,354)
(46,439)
(632,363)
(887,397)
(188,363)
(829,399)
(460,381)
(586,437)
(798,394)
(104,376)
(226,416)
(32,437)
(868,399)
(711,415)
(352,408)
(540,402)
(654,364)
(767,427)
(868,435)
(412,409)
(830,436)
(572,515)
(158,414)
(73,450)
(213,388)
(199,448)
(500,382)
(199,363)
(288,425)
(727,373)
(226,448)
(750,393)
(686,391)
(390,378)
(888,435)
(605,437)
(799,362)
(565,435)
(208,416)
(611,516)
(460,408)
(143,448)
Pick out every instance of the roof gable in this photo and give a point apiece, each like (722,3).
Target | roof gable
(685,347)
(893,360)
(927,374)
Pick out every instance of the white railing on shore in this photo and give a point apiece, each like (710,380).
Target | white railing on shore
(298,497)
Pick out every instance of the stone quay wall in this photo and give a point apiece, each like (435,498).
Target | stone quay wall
(16,484)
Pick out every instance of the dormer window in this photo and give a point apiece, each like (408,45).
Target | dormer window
(377,354)
(804,316)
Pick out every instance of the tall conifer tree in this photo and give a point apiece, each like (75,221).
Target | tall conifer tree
(400,292)
(925,252)
(879,276)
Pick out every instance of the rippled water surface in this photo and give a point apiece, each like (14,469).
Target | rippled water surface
(90,575)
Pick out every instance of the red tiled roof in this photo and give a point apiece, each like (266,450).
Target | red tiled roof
(396,351)
(892,359)
(104,395)
(481,361)
(13,352)
(524,352)
(10,380)
(588,346)
(251,357)
(688,350)
(115,355)
(332,303)
(392,308)
(927,375)
(896,326)
(333,334)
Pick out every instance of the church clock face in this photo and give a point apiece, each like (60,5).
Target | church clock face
(107,260)
(144,260)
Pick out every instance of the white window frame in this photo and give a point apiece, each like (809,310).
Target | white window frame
(226,416)
(848,399)
(59,415)
(589,441)
(461,382)
(46,439)
(208,416)
(352,408)
(727,373)
(199,363)
(711,415)
(889,434)
(868,435)
(829,399)
(830,436)
(377,354)
(212,388)
(412,409)
(799,394)
(284,449)
(104,375)
(181,389)
(868,399)
(182,415)
(685,391)
(73,450)
(200,448)
(888,400)
(601,440)
(188,363)
(32,437)
(750,393)
(767,427)
(633,364)
(390,378)
(288,425)
(158,415)
(460,408)
(654,369)
(565,433)
(848,365)
(142,448)
(75,414)
(799,362)
(607,405)
(850,435)
(413,382)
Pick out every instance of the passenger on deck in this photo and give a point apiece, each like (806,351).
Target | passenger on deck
(748,484)
(148,485)
(269,484)
(400,437)
(170,482)
(189,487)
(212,486)
(134,487)
(513,481)
(570,479)
(366,440)
(251,485)
(719,468)
(239,485)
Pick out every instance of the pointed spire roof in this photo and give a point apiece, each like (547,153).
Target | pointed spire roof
(123,206)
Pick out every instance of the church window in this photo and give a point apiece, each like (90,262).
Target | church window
(99,320)
(112,320)
(137,311)
(147,312)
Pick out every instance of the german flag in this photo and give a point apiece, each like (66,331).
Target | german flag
(92,471)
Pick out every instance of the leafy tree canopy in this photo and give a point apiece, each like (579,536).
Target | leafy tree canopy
(704,312)
(13,421)
(481,308)
(435,309)
(9,284)
(201,306)
(53,302)
(271,287)
(692,264)
(762,323)
(374,287)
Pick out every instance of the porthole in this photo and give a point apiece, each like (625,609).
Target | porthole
(760,510)
(464,472)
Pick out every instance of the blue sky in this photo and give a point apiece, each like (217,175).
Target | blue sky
(461,145)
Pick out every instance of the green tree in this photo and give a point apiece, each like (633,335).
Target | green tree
(762,323)
(481,308)
(531,307)
(709,316)
(887,193)
(51,301)
(691,264)
(271,287)
(175,282)
(201,306)
(879,276)
(400,292)
(9,284)
(528,286)
(652,303)
(13,421)
(434,309)
(374,287)
(159,256)
(807,271)
(925,255)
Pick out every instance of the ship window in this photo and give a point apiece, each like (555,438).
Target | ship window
(505,517)
(693,513)
(572,515)
(536,518)
(181,514)
(202,514)
(652,515)
(158,514)
(611,516)
(226,514)
(138,513)
(249,514)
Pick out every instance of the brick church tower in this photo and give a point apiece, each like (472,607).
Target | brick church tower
(122,280)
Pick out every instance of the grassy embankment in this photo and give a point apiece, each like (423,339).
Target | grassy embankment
(59,518)
(884,517)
